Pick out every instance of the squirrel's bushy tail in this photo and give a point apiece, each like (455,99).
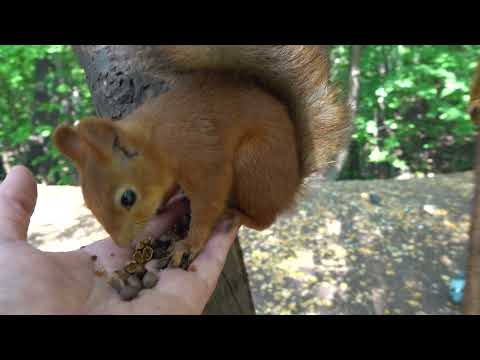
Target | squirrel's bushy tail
(297,74)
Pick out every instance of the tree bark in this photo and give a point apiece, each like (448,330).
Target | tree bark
(120,81)
(354,78)
(383,131)
(353,94)
(471,303)
(37,145)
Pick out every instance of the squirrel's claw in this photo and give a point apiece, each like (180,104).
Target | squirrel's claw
(182,256)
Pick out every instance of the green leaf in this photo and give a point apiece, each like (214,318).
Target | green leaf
(377,155)
(381,92)
(372,127)
(400,164)
(62,88)
(452,114)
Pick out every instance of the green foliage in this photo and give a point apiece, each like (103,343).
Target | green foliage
(411,113)
(41,86)
(425,126)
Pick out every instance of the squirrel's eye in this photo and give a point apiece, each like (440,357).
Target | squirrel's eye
(128,199)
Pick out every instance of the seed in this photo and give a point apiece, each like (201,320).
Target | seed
(134,281)
(116,283)
(159,264)
(149,280)
(138,257)
(128,293)
(147,253)
(93,257)
(140,270)
(122,274)
(131,267)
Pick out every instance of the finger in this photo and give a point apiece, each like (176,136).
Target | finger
(209,263)
(18,196)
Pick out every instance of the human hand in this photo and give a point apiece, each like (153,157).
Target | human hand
(36,282)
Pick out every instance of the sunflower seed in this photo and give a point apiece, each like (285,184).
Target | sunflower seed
(128,293)
(117,283)
(131,267)
(149,280)
(134,281)
(138,257)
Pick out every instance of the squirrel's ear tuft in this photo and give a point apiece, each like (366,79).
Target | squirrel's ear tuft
(91,136)
(99,134)
(106,138)
(69,143)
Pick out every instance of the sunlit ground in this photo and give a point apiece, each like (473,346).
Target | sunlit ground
(342,252)
(60,222)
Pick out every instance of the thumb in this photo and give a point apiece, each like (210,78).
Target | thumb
(18,196)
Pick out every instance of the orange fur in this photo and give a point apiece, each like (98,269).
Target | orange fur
(474,105)
(221,137)
(297,74)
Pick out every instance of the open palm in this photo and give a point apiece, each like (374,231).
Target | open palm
(36,282)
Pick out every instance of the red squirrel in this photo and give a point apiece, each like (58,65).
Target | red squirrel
(474,104)
(240,130)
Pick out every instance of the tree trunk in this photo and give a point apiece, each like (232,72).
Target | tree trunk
(471,304)
(383,132)
(120,81)
(354,79)
(37,145)
(354,90)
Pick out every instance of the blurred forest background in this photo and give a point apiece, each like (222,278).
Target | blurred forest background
(410,108)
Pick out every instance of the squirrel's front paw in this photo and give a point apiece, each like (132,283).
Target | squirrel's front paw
(183,255)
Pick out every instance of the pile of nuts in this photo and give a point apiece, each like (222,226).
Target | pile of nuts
(157,252)
(134,277)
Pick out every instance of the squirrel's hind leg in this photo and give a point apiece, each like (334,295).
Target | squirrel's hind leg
(266,178)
